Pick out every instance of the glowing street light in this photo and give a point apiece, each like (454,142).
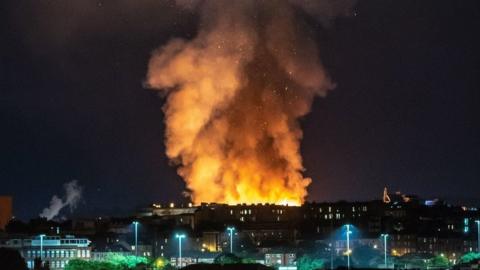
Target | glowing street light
(348,245)
(385,236)
(41,245)
(478,235)
(180,237)
(135,223)
(231,229)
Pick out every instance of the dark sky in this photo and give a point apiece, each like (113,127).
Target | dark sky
(405,113)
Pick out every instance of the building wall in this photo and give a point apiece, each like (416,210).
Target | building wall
(55,250)
(5,211)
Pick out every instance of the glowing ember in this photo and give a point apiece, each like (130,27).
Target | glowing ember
(234,96)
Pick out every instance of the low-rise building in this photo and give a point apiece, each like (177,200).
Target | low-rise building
(55,250)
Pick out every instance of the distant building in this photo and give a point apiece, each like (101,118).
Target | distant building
(192,257)
(5,211)
(340,245)
(102,250)
(278,259)
(414,225)
(58,251)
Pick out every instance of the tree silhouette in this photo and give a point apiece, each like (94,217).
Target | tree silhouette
(11,259)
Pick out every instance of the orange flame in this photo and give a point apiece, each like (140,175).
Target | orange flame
(234,96)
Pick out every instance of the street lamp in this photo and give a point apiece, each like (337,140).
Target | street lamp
(348,245)
(41,245)
(331,255)
(231,229)
(385,236)
(478,235)
(180,237)
(135,223)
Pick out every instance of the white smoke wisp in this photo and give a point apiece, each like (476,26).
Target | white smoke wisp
(73,195)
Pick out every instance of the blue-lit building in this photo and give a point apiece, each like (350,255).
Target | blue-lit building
(55,250)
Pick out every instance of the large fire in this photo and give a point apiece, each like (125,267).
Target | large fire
(235,94)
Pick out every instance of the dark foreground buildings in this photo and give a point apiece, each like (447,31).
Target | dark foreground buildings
(278,235)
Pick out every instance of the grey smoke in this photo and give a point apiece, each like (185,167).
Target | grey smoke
(322,10)
(73,194)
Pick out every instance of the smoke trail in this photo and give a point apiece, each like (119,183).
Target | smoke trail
(235,94)
(73,194)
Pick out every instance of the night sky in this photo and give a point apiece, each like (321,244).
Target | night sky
(405,113)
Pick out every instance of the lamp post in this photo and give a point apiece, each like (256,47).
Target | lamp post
(231,229)
(331,255)
(135,223)
(348,245)
(180,237)
(41,245)
(385,236)
(478,235)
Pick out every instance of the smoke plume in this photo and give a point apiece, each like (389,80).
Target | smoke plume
(235,94)
(73,194)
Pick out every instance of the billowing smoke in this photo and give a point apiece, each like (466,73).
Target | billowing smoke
(73,194)
(235,94)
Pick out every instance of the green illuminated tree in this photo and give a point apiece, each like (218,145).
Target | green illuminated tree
(438,262)
(309,263)
(78,264)
(248,260)
(125,261)
(111,262)
(227,258)
(471,256)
